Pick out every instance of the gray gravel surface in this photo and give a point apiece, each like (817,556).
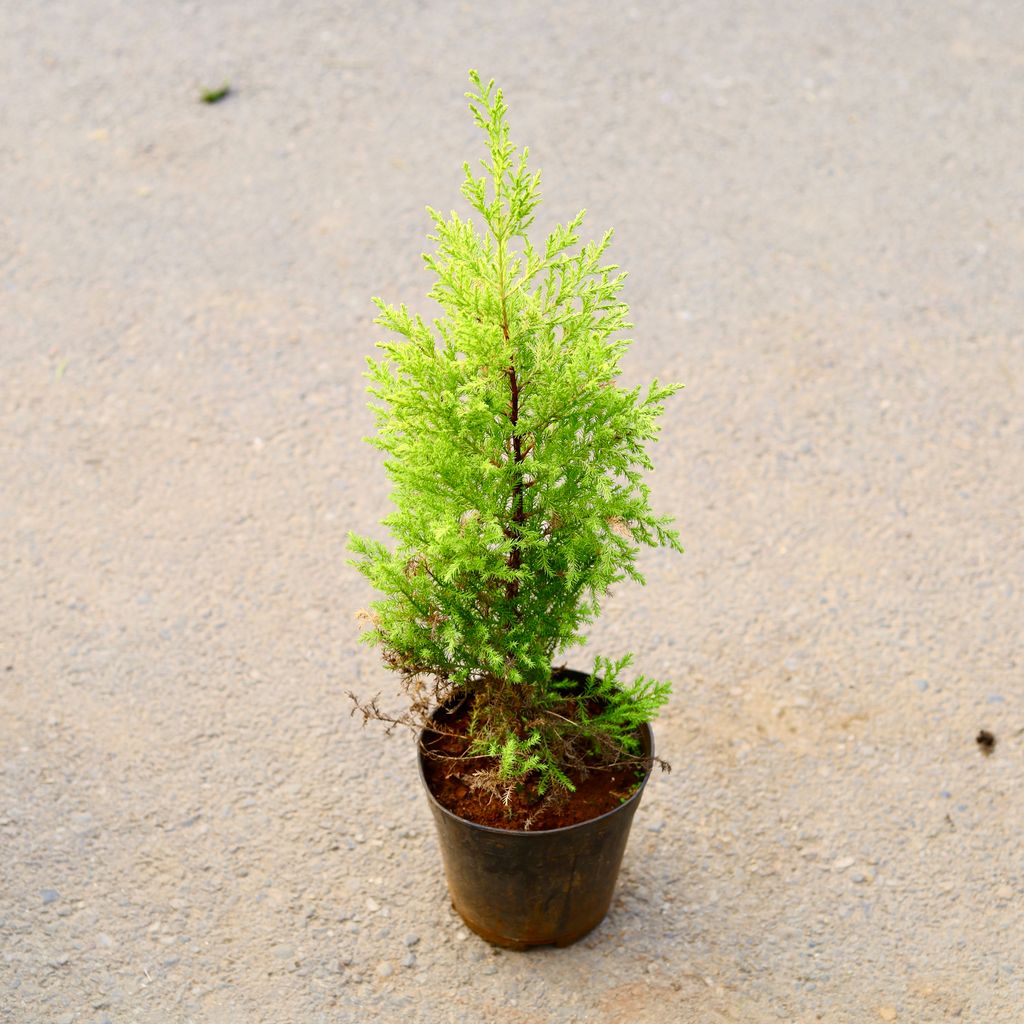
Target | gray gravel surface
(822,209)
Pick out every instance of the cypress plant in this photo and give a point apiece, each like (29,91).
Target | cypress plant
(517,467)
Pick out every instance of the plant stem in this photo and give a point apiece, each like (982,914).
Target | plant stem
(515,559)
(514,533)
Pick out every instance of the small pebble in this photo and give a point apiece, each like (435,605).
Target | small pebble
(995,698)
(655,826)
(283,952)
(887,1013)
(411,939)
(385,970)
(986,741)
(409,960)
(50,896)
(842,864)
(921,684)
(82,824)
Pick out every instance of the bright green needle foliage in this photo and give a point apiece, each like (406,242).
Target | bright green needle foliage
(517,464)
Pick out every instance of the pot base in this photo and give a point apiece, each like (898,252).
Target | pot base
(524,942)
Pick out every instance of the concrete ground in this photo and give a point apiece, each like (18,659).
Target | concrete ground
(821,207)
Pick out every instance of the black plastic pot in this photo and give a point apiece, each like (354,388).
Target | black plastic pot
(518,889)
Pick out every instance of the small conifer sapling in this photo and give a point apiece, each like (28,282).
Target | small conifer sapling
(517,467)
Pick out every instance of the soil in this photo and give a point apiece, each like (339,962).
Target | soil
(450,776)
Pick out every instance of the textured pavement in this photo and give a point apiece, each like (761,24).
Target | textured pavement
(821,207)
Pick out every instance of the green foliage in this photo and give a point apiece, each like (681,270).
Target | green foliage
(517,466)
(622,708)
(215,95)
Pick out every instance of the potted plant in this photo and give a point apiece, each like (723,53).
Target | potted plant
(517,468)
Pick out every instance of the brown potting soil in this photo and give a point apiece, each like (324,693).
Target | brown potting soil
(450,777)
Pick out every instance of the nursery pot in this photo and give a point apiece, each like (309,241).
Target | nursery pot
(518,889)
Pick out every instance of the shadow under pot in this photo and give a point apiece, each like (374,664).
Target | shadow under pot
(534,888)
